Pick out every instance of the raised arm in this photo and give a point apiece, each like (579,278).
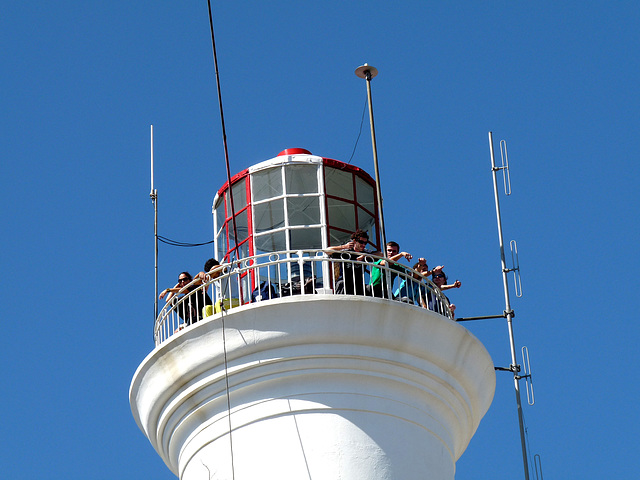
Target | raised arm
(456,284)
(169,292)
(340,248)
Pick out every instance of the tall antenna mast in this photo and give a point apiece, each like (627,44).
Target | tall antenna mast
(154,199)
(368,72)
(514,367)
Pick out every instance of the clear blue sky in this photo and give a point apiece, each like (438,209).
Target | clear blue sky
(82,81)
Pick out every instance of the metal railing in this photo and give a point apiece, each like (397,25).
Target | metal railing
(282,274)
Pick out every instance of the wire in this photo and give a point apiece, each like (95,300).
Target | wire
(223,312)
(526,434)
(364,109)
(224,130)
(175,243)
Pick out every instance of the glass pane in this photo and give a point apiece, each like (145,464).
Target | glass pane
(305,238)
(303,210)
(301,179)
(232,241)
(246,288)
(244,250)
(220,215)
(271,242)
(222,243)
(366,194)
(268,215)
(373,236)
(341,214)
(266,273)
(229,287)
(242,225)
(239,196)
(367,222)
(337,237)
(266,184)
(338,183)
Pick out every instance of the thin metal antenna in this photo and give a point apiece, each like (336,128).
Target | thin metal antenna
(514,367)
(154,199)
(368,72)
(516,268)
(526,368)
(538,464)
(505,167)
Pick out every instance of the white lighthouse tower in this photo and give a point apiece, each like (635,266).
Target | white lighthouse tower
(288,377)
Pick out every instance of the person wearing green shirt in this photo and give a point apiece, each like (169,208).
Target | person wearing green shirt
(378,284)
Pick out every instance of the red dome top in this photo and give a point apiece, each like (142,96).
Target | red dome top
(294,151)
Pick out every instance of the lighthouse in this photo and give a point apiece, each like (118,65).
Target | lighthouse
(285,376)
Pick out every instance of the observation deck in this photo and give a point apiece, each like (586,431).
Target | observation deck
(278,275)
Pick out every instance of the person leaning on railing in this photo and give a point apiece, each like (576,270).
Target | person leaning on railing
(413,290)
(190,309)
(378,281)
(212,270)
(350,276)
(440,280)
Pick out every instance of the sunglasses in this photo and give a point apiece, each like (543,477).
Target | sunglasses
(181,280)
(438,275)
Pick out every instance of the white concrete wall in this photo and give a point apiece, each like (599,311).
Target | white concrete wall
(320,387)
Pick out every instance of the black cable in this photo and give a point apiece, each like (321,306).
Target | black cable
(235,229)
(224,130)
(223,313)
(175,243)
(526,434)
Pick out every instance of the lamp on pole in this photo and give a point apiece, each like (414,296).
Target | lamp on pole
(367,72)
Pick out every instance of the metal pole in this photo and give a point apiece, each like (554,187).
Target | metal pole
(509,313)
(368,72)
(487,317)
(154,199)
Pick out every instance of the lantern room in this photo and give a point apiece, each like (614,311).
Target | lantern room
(295,201)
